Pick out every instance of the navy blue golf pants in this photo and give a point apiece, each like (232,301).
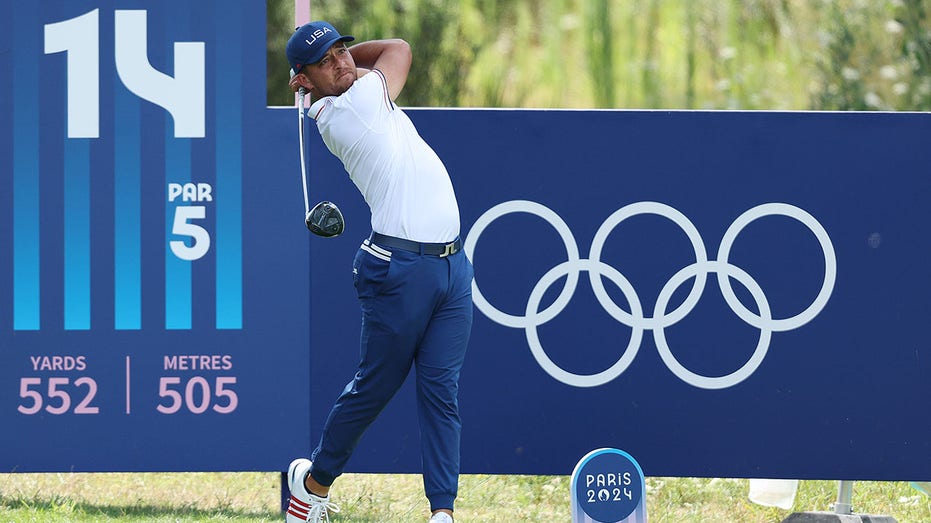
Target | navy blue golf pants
(416,310)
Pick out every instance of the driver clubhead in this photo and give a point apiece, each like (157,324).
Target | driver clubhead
(325,220)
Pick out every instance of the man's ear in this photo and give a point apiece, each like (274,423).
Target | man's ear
(301,80)
(305,82)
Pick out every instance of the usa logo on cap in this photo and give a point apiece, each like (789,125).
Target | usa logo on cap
(310,42)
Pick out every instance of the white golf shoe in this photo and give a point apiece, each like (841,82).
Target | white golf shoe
(304,506)
(441,517)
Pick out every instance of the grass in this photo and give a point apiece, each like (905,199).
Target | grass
(371,498)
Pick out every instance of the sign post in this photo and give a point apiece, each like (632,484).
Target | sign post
(608,487)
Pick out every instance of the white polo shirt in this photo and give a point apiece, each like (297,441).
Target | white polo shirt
(402,179)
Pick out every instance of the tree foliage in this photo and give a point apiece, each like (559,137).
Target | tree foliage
(654,54)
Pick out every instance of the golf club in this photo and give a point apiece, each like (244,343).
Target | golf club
(325,219)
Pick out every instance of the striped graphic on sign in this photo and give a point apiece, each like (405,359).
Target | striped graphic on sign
(59,178)
(26,167)
(127,214)
(229,172)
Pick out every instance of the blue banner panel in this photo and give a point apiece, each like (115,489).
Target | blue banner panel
(722,294)
(153,309)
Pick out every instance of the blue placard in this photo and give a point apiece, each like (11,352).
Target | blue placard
(699,285)
(153,304)
(608,487)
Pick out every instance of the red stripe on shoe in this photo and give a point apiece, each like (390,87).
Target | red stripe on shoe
(298,510)
(300,503)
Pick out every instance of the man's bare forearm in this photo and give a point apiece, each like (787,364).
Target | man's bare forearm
(366,54)
(391,57)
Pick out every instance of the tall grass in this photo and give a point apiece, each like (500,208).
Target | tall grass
(704,54)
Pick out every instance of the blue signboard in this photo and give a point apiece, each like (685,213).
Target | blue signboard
(721,294)
(724,294)
(146,264)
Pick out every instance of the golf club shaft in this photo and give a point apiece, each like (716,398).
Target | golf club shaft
(300,121)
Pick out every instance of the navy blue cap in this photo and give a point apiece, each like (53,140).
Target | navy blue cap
(310,42)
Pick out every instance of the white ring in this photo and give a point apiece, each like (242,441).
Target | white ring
(659,335)
(687,227)
(572,251)
(830,267)
(554,370)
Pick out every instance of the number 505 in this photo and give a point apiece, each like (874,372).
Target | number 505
(196,395)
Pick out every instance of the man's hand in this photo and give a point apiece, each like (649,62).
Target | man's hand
(295,82)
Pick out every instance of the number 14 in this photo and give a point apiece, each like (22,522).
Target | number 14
(182,95)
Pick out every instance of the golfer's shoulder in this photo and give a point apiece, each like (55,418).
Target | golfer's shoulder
(368,93)
(319,107)
(349,100)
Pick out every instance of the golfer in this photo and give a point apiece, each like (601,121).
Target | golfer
(412,279)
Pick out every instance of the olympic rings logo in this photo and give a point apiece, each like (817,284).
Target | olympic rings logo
(661,318)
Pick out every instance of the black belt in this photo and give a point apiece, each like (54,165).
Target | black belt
(436,249)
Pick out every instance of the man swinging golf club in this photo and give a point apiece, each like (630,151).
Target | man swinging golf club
(420,311)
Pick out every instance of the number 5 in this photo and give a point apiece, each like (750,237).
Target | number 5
(164,391)
(25,392)
(181,227)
